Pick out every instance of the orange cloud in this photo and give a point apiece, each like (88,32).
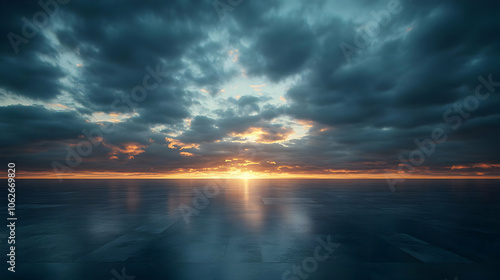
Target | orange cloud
(131,150)
(258,86)
(475,165)
(58,106)
(176,144)
(111,117)
(240,162)
(486,166)
(306,123)
(458,167)
(234,54)
(342,171)
(265,135)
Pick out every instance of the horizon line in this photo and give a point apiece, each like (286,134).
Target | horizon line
(132,176)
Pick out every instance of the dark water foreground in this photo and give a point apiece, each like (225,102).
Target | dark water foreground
(254,229)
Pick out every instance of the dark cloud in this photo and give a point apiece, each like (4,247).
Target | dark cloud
(202,129)
(164,69)
(25,70)
(37,125)
(278,53)
(31,77)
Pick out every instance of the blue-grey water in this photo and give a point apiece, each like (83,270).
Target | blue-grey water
(254,229)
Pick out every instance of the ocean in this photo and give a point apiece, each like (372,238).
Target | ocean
(254,229)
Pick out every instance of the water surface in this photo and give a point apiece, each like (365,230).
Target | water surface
(255,229)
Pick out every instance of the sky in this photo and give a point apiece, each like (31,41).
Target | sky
(239,88)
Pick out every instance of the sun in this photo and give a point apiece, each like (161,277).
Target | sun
(245,175)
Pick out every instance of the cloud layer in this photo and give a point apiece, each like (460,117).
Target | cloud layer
(274,87)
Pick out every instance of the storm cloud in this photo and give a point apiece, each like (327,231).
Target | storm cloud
(323,87)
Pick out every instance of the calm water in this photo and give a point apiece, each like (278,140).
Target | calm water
(255,229)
